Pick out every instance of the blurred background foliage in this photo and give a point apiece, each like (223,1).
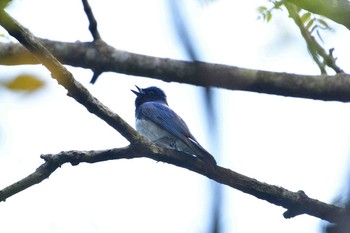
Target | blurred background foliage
(23,83)
(311,27)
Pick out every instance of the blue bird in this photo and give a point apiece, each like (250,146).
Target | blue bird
(160,124)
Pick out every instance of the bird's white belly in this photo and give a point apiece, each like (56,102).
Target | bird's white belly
(150,130)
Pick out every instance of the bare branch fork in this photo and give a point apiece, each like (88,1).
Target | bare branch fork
(95,34)
(295,202)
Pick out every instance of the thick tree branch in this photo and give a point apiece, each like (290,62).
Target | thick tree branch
(84,54)
(295,202)
(336,10)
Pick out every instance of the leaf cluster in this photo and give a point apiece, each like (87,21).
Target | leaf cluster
(265,13)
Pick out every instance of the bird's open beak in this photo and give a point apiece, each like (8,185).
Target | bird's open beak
(137,93)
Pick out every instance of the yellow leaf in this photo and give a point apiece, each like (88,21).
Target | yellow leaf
(25,82)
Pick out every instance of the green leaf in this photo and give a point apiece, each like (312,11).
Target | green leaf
(268,16)
(323,23)
(262,9)
(309,24)
(28,83)
(265,13)
(305,17)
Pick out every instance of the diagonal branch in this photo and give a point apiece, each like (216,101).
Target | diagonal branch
(66,79)
(84,54)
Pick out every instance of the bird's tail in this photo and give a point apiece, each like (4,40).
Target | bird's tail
(202,153)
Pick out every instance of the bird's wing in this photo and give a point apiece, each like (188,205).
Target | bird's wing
(167,119)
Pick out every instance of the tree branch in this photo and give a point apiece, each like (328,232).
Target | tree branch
(84,54)
(95,34)
(295,202)
(336,10)
(93,23)
(66,79)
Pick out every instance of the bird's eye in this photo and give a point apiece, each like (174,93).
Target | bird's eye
(151,92)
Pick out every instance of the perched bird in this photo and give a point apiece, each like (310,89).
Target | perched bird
(160,124)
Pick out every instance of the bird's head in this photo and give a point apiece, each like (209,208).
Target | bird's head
(149,94)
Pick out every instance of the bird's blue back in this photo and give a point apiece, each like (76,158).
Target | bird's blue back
(165,118)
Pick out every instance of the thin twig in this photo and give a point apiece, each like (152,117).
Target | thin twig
(95,34)
(92,21)
(95,76)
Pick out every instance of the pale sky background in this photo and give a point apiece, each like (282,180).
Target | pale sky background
(295,143)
